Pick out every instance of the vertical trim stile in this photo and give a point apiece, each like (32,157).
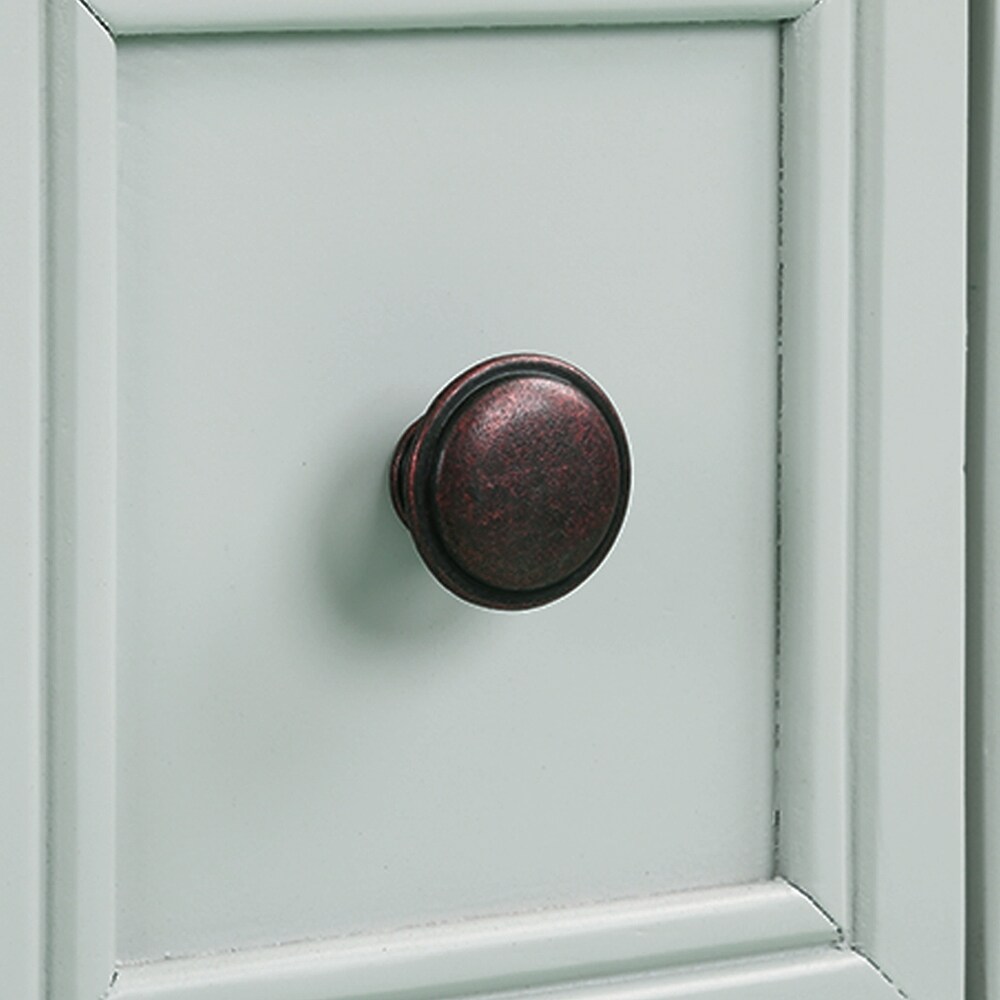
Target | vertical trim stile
(909,440)
(22,70)
(814,779)
(81,508)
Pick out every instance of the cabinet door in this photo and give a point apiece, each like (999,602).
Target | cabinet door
(279,760)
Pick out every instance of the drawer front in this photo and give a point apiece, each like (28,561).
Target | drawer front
(285,761)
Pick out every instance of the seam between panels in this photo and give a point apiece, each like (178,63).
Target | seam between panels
(841,933)
(868,960)
(846,945)
(778,471)
(855,640)
(48,491)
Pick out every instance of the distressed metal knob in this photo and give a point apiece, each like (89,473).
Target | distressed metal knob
(515,482)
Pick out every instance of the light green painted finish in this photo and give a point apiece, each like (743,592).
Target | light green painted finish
(316,231)
(144,17)
(22,790)
(80,643)
(486,955)
(833,975)
(897,699)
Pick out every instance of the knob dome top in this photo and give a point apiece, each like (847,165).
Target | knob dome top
(515,482)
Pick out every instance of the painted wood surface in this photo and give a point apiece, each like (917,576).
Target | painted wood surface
(983,699)
(908,766)
(861,508)
(290,297)
(22,349)
(482,956)
(885,899)
(814,783)
(131,17)
(81,543)
(828,974)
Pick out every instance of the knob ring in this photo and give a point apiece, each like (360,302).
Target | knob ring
(413,467)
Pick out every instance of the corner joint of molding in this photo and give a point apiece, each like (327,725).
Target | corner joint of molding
(898,991)
(97,16)
(819,907)
(843,939)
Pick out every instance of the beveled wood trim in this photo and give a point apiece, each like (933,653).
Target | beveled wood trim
(815,456)
(823,974)
(908,599)
(22,347)
(81,528)
(829,974)
(870,728)
(484,955)
(145,17)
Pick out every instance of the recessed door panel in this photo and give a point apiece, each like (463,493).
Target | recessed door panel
(316,232)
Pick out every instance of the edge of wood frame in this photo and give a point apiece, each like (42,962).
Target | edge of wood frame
(871,726)
(828,974)
(983,571)
(143,17)
(485,955)
(22,350)
(909,451)
(813,778)
(824,974)
(81,510)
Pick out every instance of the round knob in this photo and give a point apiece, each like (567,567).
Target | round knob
(514,483)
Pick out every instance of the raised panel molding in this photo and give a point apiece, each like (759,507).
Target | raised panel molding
(81,401)
(827,975)
(830,974)
(487,955)
(869,832)
(143,17)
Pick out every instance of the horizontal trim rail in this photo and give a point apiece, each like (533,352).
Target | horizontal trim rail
(150,17)
(500,953)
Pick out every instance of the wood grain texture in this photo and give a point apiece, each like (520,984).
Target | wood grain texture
(983,700)
(486,955)
(82,478)
(138,17)
(21,402)
(813,749)
(909,448)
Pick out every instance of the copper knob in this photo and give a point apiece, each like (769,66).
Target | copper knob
(515,482)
